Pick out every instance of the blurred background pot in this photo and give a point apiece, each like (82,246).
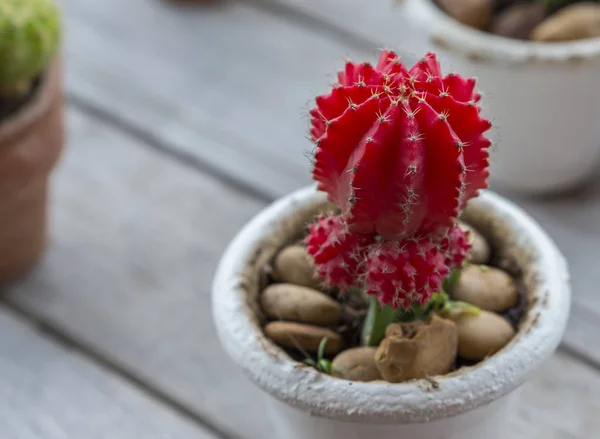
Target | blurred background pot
(31,141)
(471,403)
(543,97)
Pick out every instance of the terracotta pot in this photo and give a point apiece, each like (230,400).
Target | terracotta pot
(531,90)
(471,403)
(31,142)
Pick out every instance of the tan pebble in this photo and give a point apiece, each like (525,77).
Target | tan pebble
(482,335)
(518,20)
(574,22)
(474,13)
(294,265)
(357,364)
(415,351)
(479,253)
(308,337)
(300,304)
(486,287)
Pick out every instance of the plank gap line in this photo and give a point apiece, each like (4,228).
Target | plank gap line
(88,352)
(580,356)
(314,23)
(147,138)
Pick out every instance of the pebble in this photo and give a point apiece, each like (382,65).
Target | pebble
(308,337)
(301,304)
(488,288)
(573,22)
(357,364)
(417,350)
(479,253)
(293,265)
(482,335)
(518,20)
(474,13)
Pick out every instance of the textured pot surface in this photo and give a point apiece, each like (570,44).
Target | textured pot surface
(531,91)
(308,404)
(31,142)
(486,422)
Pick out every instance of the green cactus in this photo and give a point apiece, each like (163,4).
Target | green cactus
(30,33)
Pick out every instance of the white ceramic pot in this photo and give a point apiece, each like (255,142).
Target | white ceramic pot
(544,98)
(472,403)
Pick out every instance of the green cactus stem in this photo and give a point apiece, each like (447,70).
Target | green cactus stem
(378,318)
(31,31)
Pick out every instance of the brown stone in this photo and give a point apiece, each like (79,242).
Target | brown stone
(474,13)
(482,335)
(518,20)
(31,142)
(294,265)
(300,304)
(574,22)
(486,287)
(294,335)
(417,350)
(479,253)
(357,364)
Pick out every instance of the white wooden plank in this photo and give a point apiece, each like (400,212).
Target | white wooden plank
(377,23)
(49,392)
(135,239)
(234,77)
(561,402)
(582,334)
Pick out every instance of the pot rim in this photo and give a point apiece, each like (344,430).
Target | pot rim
(483,47)
(39,103)
(275,372)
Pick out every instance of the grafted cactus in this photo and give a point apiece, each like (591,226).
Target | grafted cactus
(30,32)
(400,152)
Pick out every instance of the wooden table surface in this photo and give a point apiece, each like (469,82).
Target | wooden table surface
(183,123)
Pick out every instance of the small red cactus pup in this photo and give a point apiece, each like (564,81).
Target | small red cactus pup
(400,152)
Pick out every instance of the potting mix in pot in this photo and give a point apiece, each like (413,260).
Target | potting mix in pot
(390,284)
(537,20)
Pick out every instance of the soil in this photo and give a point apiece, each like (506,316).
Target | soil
(515,314)
(523,19)
(354,311)
(10,106)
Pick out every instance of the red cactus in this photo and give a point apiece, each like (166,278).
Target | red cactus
(402,273)
(400,152)
(455,247)
(336,252)
(398,272)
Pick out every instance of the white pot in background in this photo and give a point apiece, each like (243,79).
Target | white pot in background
(472,403)
(542,98)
